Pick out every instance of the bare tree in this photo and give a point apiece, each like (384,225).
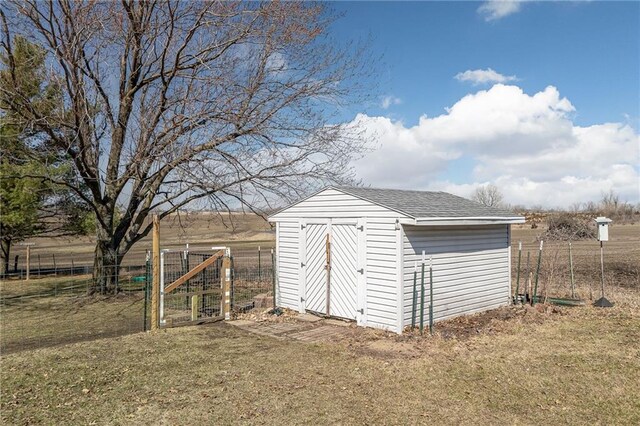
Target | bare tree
(171,103)
(488,195)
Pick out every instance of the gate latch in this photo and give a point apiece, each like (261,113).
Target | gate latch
(361,270)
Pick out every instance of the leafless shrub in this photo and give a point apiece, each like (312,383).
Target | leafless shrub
(568,227)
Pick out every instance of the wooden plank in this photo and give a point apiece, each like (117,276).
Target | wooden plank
(194,307)
(183,279)
(28,261)
(226,287)
(155,286)
(328,266)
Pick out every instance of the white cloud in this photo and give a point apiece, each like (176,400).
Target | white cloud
(387,101)
(528,145)
(496,9)
(484,76)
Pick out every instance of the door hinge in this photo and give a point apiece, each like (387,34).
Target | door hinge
(361,270)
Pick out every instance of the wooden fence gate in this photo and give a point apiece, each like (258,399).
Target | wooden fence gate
(194,287)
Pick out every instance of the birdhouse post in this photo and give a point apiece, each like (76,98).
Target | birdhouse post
(603,235)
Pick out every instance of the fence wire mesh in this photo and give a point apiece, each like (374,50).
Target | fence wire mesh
(57,309)
(621,267)
(62,303)
(252,278)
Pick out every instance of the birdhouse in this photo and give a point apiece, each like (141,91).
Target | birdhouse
(603,228)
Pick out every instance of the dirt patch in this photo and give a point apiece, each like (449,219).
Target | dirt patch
(496,320)
(267,315)
(388,345)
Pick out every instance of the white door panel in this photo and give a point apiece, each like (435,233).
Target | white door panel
(315,268)
(344,261)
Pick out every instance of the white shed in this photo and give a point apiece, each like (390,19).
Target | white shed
(350,252)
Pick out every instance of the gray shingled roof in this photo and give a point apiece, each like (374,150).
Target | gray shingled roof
(418,204)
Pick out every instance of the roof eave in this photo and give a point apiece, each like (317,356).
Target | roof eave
(448,221)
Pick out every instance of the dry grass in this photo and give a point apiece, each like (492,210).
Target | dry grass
(580,367)
(54,311)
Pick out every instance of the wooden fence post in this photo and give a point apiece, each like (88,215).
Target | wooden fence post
(226,286)
(28,261)
(194,307)
(155,287)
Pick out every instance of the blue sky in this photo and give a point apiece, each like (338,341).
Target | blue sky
(576,64)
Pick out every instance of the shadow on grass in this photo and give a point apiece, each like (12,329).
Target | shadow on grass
(32,323)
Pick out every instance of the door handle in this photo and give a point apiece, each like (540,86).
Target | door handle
(361,270)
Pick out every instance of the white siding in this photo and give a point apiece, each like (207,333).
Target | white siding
(470,268)
(381,270)
(333,203)
(382,274)
(288,264)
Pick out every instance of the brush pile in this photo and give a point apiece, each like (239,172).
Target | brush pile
(568,227)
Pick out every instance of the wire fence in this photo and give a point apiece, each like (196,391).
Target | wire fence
(252,278)
(53,310)
(43,262)
(558,264)
(66,307)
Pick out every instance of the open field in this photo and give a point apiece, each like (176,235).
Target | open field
(578,366)
(247,231)
(199,230)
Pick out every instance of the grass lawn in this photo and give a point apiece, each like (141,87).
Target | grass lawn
(582,366)
(52,311)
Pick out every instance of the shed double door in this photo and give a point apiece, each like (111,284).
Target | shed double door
(331,276)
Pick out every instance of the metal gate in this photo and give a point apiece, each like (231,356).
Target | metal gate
(316,268)
(190,286)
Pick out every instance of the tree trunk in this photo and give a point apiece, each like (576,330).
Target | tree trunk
(106,267)
(4,252)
